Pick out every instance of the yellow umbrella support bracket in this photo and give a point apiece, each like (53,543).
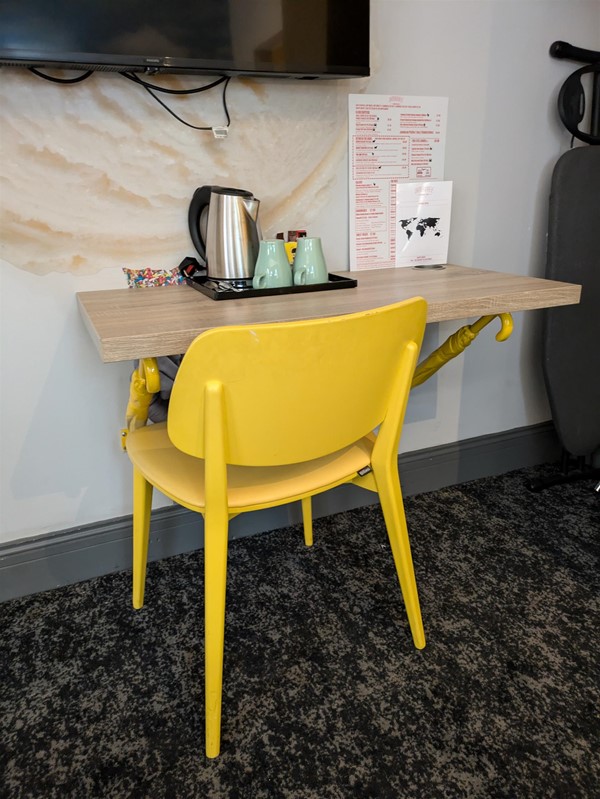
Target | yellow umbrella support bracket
(145,381)
(457,344)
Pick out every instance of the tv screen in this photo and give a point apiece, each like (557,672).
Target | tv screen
(292,38)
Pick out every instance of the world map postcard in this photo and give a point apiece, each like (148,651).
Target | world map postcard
(423,222)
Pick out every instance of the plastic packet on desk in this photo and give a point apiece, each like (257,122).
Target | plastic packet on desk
(151,278)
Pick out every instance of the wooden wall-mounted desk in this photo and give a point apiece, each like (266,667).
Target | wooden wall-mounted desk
(126,324)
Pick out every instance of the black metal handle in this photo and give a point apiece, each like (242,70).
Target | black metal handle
(565,50)
(200,200)
(571,98)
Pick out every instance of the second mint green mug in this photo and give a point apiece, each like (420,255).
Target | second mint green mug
(309,263)
(272,268)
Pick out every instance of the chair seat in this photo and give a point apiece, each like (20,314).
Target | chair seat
(181,476)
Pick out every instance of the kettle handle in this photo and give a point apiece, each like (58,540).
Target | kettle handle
(200,200)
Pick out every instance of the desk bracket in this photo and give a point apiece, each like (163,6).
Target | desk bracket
(145,381)
(457,344)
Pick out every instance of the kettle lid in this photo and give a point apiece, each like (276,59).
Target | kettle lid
(232,192)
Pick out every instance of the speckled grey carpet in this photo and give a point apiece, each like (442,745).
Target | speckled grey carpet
(325,696)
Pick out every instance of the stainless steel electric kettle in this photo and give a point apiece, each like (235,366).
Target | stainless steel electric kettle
(225,230)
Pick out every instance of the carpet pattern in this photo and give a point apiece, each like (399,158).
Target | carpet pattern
(325,696)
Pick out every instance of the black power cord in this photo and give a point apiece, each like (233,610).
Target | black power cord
(136,79)
(78,79)
(151,88)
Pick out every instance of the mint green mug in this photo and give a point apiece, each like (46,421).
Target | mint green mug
(272,268)
(309,263)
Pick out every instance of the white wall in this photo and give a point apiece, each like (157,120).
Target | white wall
(96,177)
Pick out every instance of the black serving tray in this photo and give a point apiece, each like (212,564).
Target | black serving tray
(199,282)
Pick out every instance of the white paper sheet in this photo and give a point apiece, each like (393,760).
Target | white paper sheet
(393,139)
(423,223)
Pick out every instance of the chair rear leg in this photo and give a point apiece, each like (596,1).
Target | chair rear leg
(142,506)
(215,583)
(390,497)
(307,521)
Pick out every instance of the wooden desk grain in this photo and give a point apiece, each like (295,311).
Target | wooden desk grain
(137,323)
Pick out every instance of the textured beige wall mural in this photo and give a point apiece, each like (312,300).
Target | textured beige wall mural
(97,175)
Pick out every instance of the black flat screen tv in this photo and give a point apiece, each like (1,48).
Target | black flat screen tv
(288,38)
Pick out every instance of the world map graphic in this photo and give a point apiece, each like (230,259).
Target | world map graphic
(427,225)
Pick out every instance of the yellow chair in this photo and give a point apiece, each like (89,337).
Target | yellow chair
(262,415)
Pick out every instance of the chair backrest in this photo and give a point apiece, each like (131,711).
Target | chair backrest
(294,391)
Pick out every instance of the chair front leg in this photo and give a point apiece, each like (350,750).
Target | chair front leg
(142,506)
(215,584)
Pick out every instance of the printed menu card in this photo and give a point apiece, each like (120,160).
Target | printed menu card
(393,139)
